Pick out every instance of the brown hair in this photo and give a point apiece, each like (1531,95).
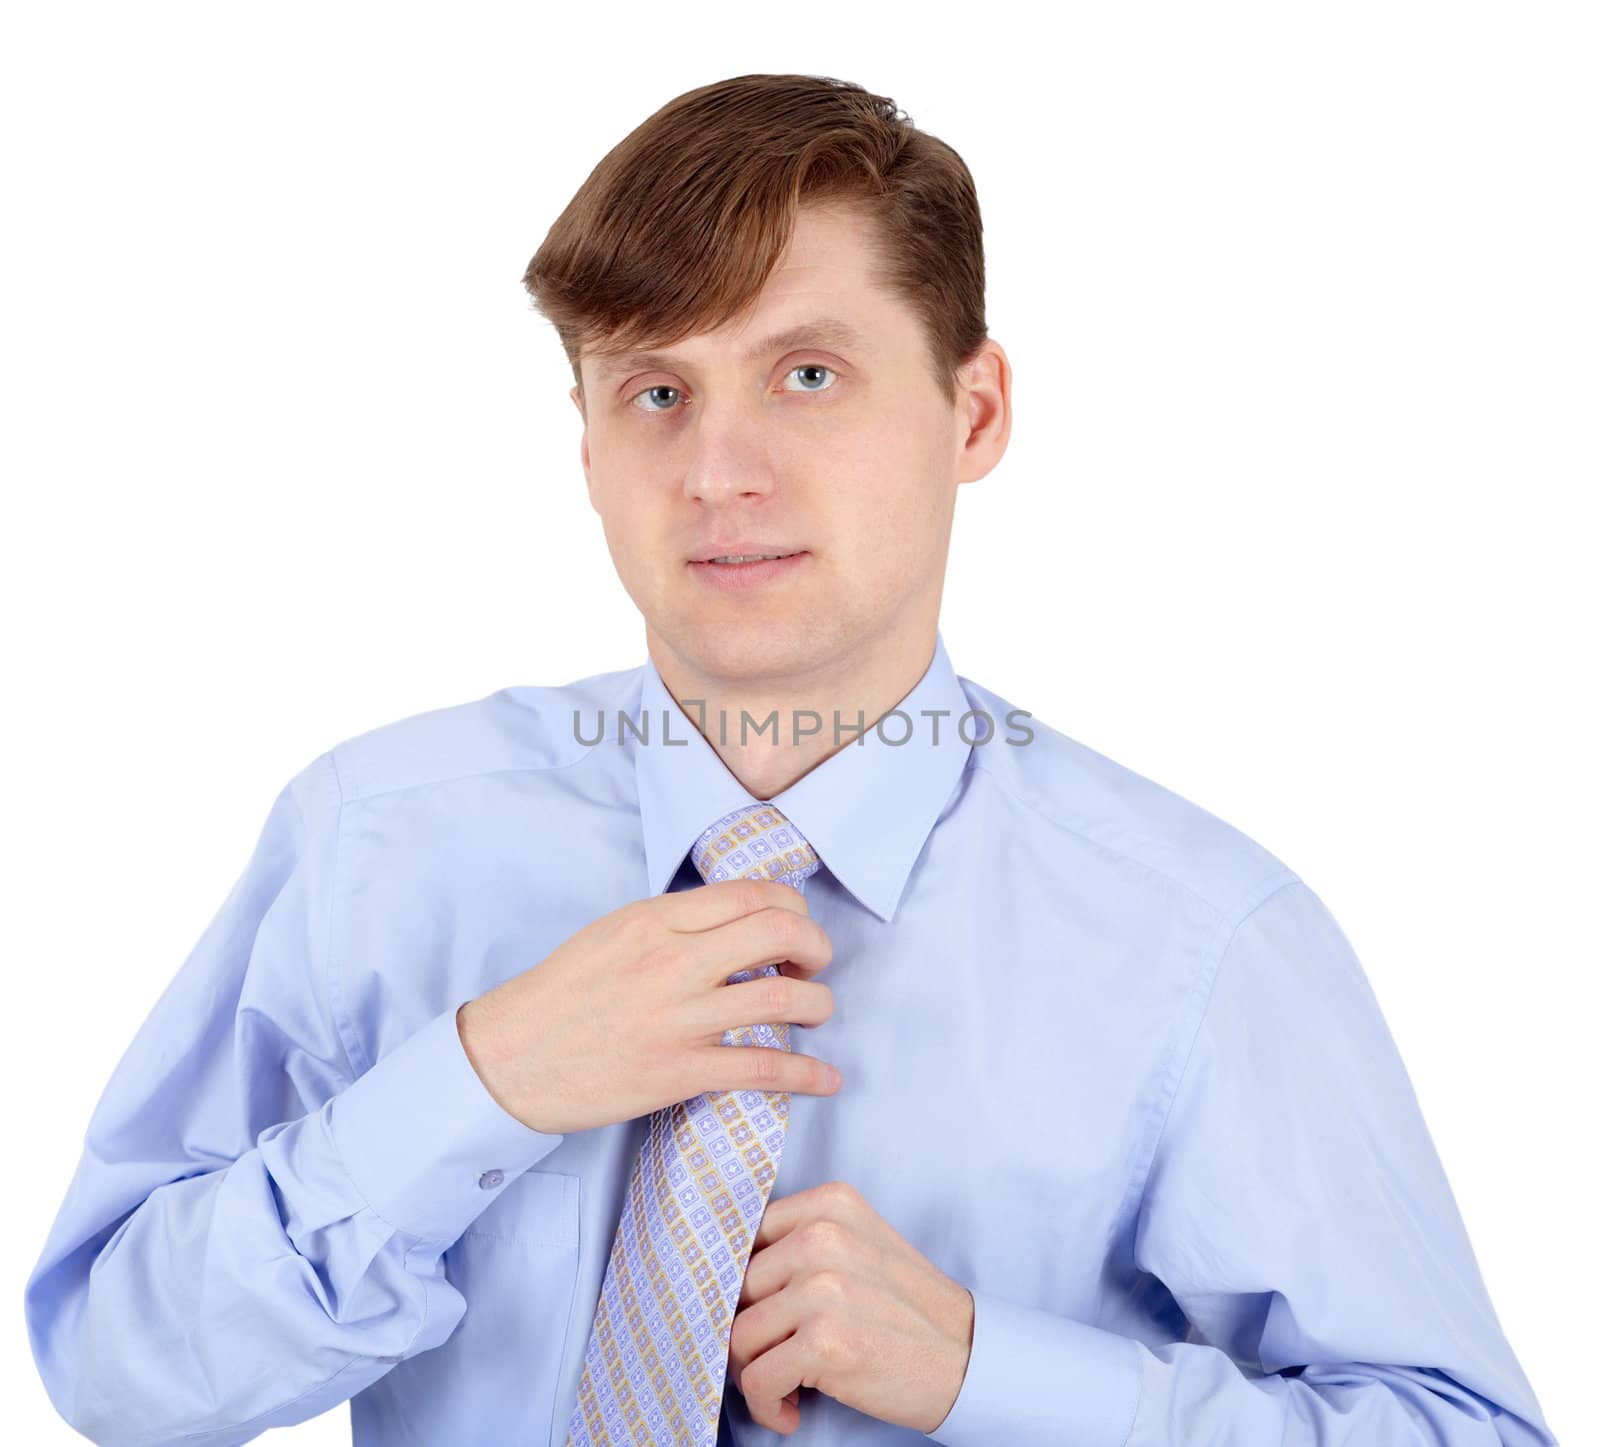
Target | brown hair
(678,227)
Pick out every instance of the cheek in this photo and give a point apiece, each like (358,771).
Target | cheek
(889,545)
(897,464)
(630,525)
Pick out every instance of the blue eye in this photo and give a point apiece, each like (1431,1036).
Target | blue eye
(648,390)
(663,387)
(812,367)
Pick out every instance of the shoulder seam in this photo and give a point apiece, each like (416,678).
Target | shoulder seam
(470,774)
(1203,990)
(979,762)
(330,983)
(560,759)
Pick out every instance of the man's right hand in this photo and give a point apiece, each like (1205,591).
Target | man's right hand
(628,1015)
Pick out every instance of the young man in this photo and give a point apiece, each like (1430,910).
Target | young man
(478,1105)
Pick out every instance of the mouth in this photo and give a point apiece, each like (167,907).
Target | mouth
(739,559)
(744,570)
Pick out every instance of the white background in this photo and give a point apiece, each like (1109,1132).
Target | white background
(1295,519)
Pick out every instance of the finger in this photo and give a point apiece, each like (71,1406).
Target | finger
(781,1369)
(755,1333)
(769,1000)
(767,937)
(781,1416)
(710,905)
(761,1067)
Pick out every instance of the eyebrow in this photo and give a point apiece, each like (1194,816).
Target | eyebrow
(822,331)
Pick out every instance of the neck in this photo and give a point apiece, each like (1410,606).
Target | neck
(771,729)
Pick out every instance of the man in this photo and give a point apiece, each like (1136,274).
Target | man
(478,1105)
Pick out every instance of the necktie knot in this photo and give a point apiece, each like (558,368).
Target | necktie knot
(756,841)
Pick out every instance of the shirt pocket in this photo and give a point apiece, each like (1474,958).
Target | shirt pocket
(496,1377)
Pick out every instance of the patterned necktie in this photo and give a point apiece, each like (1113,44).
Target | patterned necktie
(657,1359)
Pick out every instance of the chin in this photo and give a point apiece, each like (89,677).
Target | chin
(757,649)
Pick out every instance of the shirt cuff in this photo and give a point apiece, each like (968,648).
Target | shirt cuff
(1036,1378)
(424,1142)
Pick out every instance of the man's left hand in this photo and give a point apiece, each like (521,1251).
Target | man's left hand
(836,1299)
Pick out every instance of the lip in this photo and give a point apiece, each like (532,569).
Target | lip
(736,577)
(741,548)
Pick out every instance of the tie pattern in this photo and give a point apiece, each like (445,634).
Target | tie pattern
(657,1359)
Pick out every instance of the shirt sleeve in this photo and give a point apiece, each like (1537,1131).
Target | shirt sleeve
(1297,1212)
(252,1235)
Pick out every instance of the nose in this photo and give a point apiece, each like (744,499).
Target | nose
(727,460)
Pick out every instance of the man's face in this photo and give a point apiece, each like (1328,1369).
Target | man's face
(840,451)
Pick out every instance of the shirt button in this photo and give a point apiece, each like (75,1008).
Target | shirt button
(490,1179)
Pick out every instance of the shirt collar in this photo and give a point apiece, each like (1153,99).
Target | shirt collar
(867,809)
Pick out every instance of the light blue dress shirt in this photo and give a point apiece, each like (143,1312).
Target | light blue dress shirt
(1107,1062)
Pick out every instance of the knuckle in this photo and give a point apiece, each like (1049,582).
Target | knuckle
(784,924)
(828,1285)
(763,1064)
(777,995)
(822,1341)
(751,897)
(842,1195)
(822,1237)
(636,928)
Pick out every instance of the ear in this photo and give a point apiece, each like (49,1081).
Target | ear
(985,400)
